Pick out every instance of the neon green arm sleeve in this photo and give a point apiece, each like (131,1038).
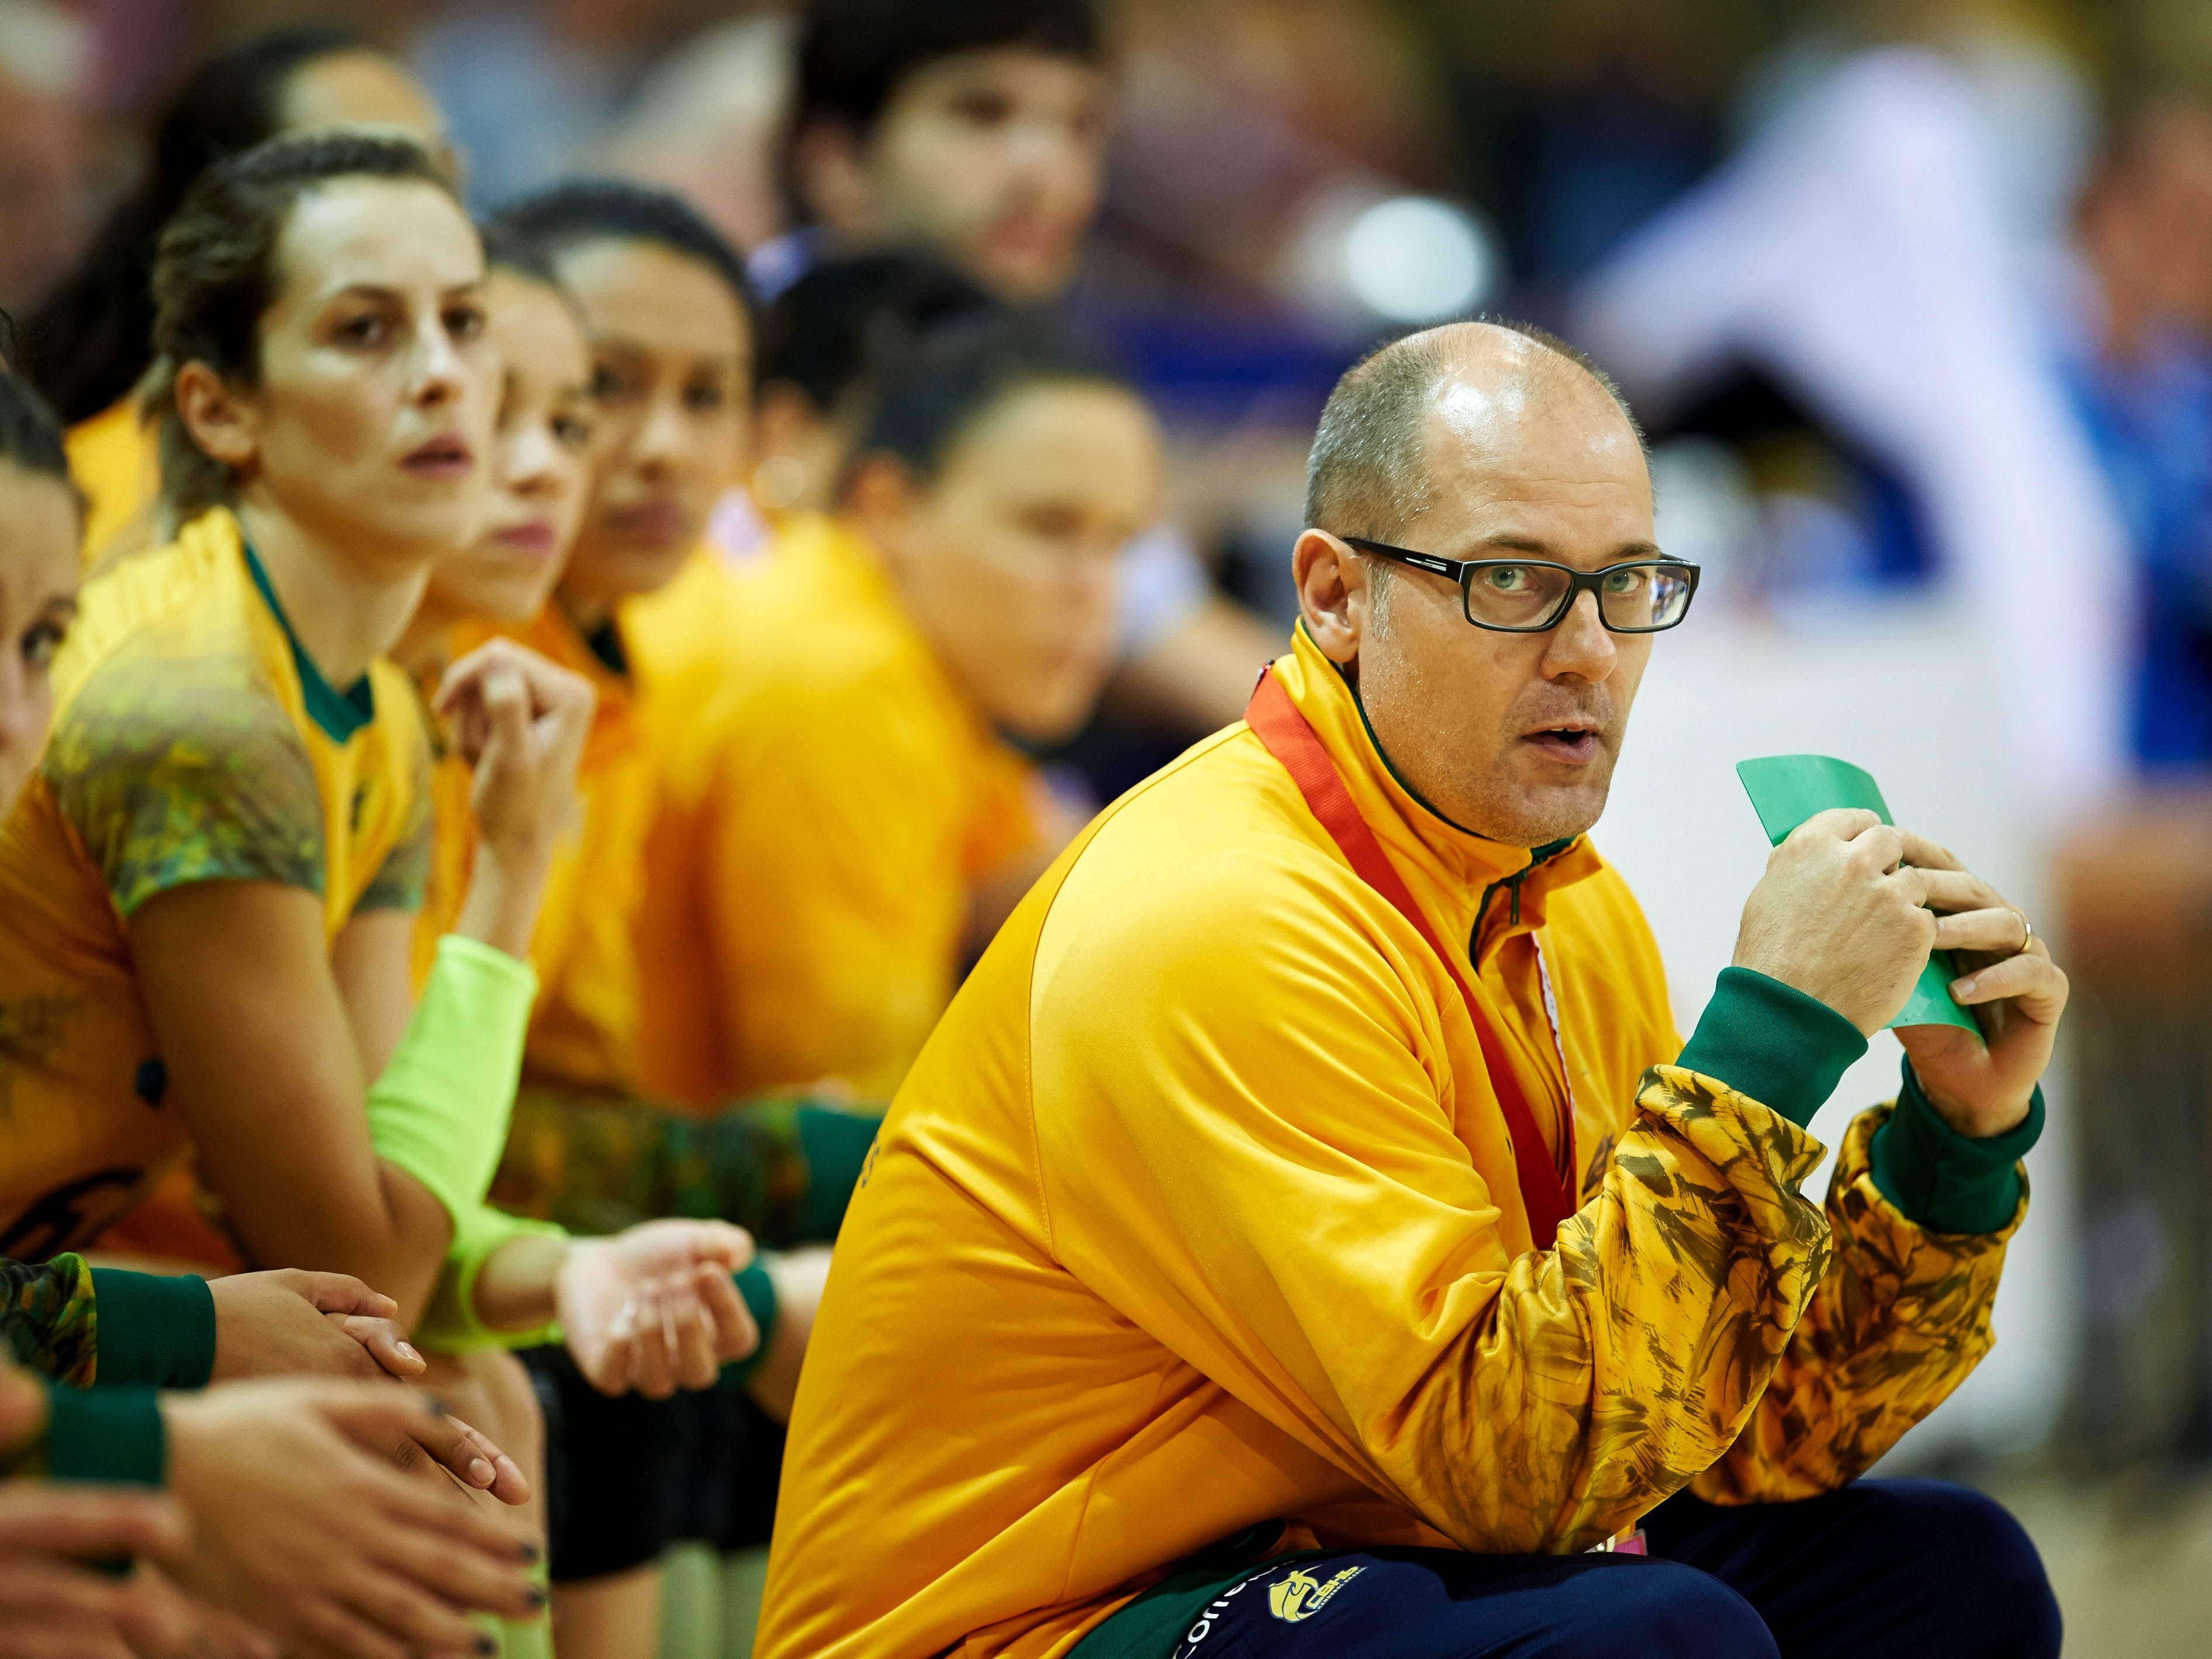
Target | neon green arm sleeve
(440,1110)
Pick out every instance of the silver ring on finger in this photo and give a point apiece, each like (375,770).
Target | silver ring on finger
(2026,934)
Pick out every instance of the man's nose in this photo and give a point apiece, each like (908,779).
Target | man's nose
(1580,646)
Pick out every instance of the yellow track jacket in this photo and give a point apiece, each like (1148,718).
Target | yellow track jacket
(1198,1209)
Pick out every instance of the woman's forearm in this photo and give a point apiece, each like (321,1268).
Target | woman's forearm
(514,1288)
(505,891)
(422,1233)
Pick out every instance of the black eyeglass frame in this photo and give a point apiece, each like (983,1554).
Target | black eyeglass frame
(1462,571)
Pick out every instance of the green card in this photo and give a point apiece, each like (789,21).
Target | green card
(1788,789)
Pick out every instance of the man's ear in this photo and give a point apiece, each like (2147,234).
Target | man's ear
(226,427)
(1333,596)
(828,160)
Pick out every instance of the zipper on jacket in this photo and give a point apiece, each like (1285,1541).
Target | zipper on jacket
(1512,884)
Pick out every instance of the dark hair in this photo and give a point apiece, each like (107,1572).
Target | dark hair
(92,338)
(855,54)
(215,275)
(509,249)
(927,402)
(580,210)
(832,328)
(30,437)
(1367,473)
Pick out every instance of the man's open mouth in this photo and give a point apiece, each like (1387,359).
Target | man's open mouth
(1575,744)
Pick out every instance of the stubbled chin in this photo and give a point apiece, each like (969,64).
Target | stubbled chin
(1531,813)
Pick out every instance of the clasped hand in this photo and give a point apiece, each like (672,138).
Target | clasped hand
(1848,911)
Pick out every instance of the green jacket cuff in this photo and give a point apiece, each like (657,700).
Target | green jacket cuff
(1771,1042)
(111,1435)
(1941,1180)
(153,1329)
(759,1292)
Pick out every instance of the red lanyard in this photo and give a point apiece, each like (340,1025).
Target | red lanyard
(1547,1193)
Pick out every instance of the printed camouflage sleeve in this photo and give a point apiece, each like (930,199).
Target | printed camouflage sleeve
(783,1169)
(1901,1317)
(48,1321)
(173,773)
(399,882)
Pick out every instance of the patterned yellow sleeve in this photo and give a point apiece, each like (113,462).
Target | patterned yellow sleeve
(401,880)
(177,773)
(1900,1317)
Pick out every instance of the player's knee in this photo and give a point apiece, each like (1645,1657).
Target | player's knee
(1993,1582)
(1662,1610)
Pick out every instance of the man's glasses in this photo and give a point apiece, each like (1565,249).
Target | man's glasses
(1526,596)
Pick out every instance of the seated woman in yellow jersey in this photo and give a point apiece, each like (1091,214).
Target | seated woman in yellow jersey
(265,1543)
(585,1149)
(854,792)
(206,889)
(91,342)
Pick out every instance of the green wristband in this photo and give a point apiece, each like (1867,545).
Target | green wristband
(758,1290)
(153,1329)
(440,1110)
(109,1435)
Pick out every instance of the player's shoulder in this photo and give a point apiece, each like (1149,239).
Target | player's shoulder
(177,602)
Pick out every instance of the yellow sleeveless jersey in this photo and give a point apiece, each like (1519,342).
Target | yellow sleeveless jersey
(828,802)
(191,743)
(1198,1212)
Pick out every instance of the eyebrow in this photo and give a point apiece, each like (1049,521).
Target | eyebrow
(385,291)
(635,347)
(1627,552)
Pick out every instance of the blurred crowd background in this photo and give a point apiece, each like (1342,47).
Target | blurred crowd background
(1914,298)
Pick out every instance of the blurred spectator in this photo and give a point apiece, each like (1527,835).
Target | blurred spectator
(42,149)
(2138,350)
(2135,335)
(1856,256)
(973,127)
(533,88)
(708,123)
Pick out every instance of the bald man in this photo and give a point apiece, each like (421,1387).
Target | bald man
(1306,1234)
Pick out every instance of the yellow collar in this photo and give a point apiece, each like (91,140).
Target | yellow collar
(1419,839)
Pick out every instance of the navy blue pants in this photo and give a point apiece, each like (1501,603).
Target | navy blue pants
(1897,1568)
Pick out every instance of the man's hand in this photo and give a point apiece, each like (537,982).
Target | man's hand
(301,1523)
(653,1307)
(1838,915)
(51,1607)
(1983,1088)
(290,1323)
